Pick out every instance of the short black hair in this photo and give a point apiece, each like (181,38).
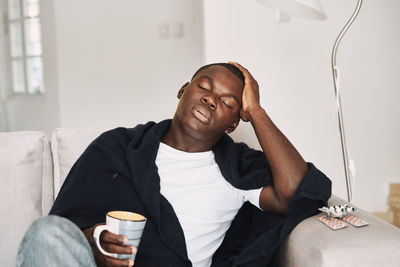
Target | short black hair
(235,70)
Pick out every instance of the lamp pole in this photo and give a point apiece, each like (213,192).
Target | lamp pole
(336,84)
(311,9)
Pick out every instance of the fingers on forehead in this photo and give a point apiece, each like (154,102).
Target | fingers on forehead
(242,69)
(237,65)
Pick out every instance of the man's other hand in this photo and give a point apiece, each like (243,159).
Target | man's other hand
(112,243)
(251,94)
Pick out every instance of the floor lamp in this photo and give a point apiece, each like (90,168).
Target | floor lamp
(311,9)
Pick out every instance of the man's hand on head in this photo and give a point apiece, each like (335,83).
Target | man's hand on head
(287,165)
(112,243)
(251,93)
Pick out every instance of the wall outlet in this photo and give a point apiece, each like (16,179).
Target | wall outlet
(177,30)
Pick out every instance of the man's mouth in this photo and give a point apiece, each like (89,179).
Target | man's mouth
(201,113)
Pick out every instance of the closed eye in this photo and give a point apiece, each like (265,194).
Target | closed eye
(226,104)
(203,87)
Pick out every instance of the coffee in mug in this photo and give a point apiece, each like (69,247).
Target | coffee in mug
(125,223)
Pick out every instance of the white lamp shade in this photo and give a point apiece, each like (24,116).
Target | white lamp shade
(308,9)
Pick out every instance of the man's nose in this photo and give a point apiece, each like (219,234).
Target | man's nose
(210,101)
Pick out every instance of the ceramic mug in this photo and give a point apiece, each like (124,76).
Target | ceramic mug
(125,223)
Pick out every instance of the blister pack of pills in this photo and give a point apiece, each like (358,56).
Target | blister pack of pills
(337,210)
(336,217)
(332,222)
(353,220)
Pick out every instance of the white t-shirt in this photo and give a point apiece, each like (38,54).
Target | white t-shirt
(204,202)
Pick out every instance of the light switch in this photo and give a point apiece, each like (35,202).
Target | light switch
(163,30)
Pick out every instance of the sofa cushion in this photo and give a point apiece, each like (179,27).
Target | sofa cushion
(27,187)
(67,145)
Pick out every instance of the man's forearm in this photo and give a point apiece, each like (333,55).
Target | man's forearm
(287,166)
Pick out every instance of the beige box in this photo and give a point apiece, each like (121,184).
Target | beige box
(394,203)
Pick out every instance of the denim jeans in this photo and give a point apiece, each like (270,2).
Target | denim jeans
(54,241)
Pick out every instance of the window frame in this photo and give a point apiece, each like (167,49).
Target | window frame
(23,57)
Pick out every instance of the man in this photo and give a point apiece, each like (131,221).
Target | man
(191,180)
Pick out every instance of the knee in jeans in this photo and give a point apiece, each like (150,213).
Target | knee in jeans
(47,225)
(52,239)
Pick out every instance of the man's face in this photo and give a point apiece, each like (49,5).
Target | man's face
(210,104)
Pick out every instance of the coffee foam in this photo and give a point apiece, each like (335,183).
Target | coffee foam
(126,215)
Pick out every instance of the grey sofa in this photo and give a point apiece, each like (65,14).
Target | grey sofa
(33,168)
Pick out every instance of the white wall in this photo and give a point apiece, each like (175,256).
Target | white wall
(114,69)
(291,62)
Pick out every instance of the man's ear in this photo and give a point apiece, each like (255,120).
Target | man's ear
(235,124)
(180,92)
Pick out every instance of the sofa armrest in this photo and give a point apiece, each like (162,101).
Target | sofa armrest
(312,243)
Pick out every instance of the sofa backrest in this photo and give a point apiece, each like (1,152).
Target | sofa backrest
(26,177)
(66,146)
(31,174)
